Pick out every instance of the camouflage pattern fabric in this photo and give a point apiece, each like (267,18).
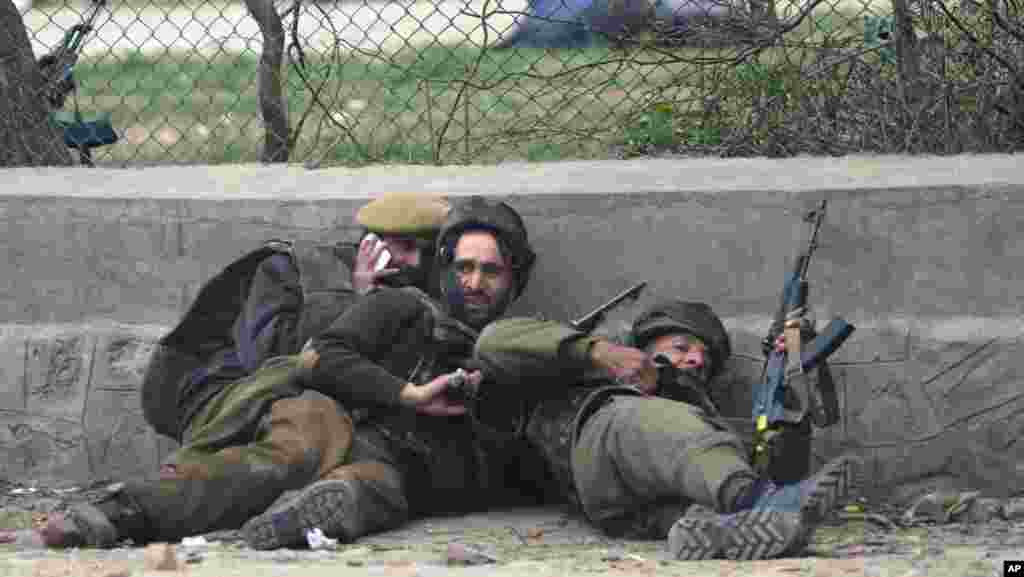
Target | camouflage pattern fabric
(258,437)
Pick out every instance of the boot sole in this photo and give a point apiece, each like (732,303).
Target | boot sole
(749,535)
(834,482)
(763,534)
(322,505)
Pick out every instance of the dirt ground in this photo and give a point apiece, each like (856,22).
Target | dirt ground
(526,542)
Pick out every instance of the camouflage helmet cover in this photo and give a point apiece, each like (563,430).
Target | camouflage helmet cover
(683,316)
(479,213)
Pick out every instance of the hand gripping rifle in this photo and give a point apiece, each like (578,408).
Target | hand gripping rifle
(793,372)
(458,386)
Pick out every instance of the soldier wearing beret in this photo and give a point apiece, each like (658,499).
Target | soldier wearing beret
(635,442)
(219,385)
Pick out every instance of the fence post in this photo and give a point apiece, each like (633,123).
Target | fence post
(272,104)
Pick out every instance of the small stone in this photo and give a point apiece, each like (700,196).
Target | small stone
(461,554)
(535,533)
(160,557)
(1013,509)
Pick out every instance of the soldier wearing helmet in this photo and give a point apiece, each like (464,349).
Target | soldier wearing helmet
(634,441)
(260,429)
(390,360)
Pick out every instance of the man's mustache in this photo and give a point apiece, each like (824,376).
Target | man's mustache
(476,297)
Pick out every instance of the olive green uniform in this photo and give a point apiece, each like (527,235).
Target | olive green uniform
(634,463)
(222,383)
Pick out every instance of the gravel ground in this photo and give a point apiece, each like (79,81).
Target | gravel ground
(534,542)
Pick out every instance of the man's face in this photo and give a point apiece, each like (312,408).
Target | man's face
(482,279)
(685,351)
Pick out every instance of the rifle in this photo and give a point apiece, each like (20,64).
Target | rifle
(457,386)
(588,322)
(790,371)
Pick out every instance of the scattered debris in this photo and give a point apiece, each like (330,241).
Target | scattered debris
(160,557)
(614,555)
(1013,509)
(939,507)
(317,540)
(880,520)
(462,554)
(984,510)
(199,541)
(193,548)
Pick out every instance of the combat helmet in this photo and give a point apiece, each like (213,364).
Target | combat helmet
(693,317)
(479,213)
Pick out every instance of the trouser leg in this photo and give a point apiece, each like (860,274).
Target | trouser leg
(641,460)
(203,490)
(360,497)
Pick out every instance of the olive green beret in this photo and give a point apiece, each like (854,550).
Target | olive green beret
(404,213)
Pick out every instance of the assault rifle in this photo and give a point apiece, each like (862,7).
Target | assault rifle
(590,321)
(793,372)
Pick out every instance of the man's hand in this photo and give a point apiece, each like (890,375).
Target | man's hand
(364,278)
(627,364)
(780,344)
(430,399)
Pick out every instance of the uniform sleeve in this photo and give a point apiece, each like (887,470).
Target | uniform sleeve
(268,321)
(524,349)
(351,350)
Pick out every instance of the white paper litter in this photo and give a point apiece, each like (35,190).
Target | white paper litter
(199,541)
(317,540)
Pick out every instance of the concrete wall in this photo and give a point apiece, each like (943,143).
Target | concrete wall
(100,263)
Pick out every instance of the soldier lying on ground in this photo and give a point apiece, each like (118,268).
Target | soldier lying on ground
(249,436)
(389,356)
(635,458)
(390,359)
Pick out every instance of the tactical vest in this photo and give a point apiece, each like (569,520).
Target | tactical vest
(177,379)
(554,426)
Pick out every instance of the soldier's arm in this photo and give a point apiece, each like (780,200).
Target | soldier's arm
(342,361)
(267,324)
(526,350)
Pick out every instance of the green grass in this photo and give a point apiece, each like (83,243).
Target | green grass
(189,110)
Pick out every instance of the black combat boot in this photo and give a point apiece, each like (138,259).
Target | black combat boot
(775,520)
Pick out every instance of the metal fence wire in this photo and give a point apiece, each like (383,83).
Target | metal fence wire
(449,81)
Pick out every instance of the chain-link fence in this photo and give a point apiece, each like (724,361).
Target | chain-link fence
(449,81)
